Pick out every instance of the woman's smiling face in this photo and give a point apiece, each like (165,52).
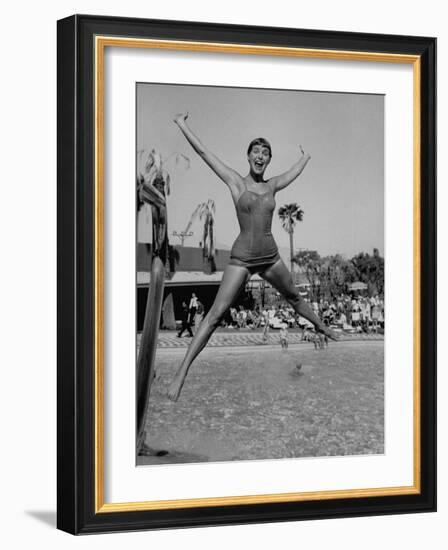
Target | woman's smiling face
(259,157)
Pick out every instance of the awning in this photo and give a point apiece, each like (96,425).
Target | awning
(189,278)
(358,285)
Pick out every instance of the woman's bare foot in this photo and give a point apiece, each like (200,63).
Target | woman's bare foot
(176,387)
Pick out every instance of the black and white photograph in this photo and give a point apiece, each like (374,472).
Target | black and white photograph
(260,284)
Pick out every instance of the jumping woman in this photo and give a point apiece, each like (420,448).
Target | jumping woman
(254,251)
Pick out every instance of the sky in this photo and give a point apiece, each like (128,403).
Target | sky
(341,189)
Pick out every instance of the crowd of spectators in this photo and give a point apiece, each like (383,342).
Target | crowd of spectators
(348,313)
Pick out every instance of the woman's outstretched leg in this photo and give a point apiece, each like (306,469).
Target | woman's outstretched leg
(233,282)
(280,278)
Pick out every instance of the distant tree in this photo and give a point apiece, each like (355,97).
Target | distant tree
(328,277)
(310,263)
(289,215)
(336,272)
(370,270)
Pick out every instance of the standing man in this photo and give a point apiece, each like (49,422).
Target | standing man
(192,308)
(185,318)
(284,337)
(270,314)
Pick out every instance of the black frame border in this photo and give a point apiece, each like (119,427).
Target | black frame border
(76,263)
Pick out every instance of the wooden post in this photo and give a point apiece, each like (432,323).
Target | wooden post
(148,345)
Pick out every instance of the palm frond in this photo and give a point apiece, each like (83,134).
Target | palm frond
(192,218)
(289,214)
(151,167)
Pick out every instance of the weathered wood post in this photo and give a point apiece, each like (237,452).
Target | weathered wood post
(155,196)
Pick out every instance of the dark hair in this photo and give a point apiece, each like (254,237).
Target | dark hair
(259,141)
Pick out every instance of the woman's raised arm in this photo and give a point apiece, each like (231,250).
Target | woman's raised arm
(228,175)
(283,180)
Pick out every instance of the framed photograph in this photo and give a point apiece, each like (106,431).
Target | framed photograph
(246,274)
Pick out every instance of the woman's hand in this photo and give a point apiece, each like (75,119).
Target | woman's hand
(283,180)
(180,117)
(303,152)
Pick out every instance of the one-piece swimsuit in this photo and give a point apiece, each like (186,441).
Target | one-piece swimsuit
(255,247)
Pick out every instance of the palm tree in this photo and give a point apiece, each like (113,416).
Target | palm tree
(153,184)
(206,211)
(289,215)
